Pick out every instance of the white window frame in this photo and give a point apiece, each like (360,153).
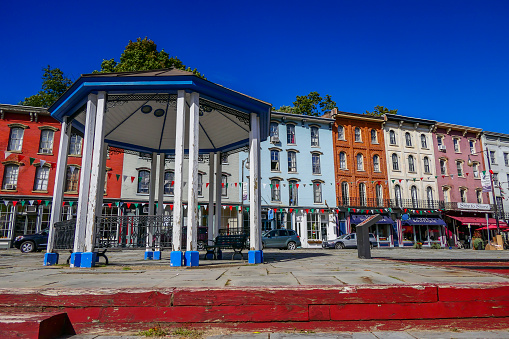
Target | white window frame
(46,141)
(292,162)
(75,144)
(290,133)
(11,173)
(376,163)
(315,136)
(16,139)
(315,163)
(317,192)
(41,178)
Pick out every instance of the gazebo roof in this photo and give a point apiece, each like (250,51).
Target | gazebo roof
(141,110)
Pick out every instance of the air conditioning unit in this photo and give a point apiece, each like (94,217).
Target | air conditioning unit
(31,209)
(274,139)
(441,148)
(46,151)
(10,186)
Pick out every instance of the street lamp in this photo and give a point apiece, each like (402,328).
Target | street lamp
(470,163)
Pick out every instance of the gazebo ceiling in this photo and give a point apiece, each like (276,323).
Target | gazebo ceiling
(141,109)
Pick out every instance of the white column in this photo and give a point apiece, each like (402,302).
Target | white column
(219,186)
(95,174)
(160,191)
(152,188)
(192,193)
(86,162)
(58,188)
(210,222)
(254,185)
(179,160)
(102,180)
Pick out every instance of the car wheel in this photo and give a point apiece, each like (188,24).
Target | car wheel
(291,246)
(27,247)
(339,246)
(201,245)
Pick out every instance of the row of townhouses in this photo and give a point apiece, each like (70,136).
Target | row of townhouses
(320,176)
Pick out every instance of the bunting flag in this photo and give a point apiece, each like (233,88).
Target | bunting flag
(109,205)
(128,204)
(22,202)
(14,203)
(171,207)
(307,210)
(6,202)
(277,186)
(297,185)
(222,184)
(422,178)
(31,202)
(291,210)
(399,180)
(21,157)
(118,176)
(132,179)
(7,154)
(414,179)
(72,168)
(231,207)
(136,205)
(39,202)
(207,185)
(224,207)
(235,184)
(63,203)
(139,178)
(42,162)
(322,210)
(32,161)
(109,175)
(185,207)
(125,177)
(47,202)
(71,203)
(393,181)
(117,203)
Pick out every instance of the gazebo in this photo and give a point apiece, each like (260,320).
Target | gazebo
(150,112)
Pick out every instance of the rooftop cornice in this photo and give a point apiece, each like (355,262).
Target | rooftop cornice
(458,127)
(300,117)
(411,120)
(6,108)
(357,116)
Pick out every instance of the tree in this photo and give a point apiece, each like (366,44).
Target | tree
(54,84)
(381,110)
(311,104)
(142,55)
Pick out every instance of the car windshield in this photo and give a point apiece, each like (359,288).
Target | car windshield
(342,236)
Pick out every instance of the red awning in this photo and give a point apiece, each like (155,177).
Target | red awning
(476,221)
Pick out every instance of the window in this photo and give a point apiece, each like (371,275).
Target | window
(316,163)
(440,140)
(456,143)
(275,190)
(408,139)
(397,194)
(358,134)
(41,178)
(341,132)
(426,165)
(317,192)
(292,161)
(344,193)
(379,195)
(200,184)
(16,139)
(374,137)
(429,195)
(46,142)
(362,194)
(72,179)
(376,163)
(475,169)
(315,141)
(443,166)
(75,144)
(395,162)
(274,161)
(411,164)
(316,226)
(224,184)
(274,130)
(459,166)
(360,162)
(472,147)
(413,194)
(424,141)
(290,134)
(447,196)
(342,160)
(478,194)
(463,194)
(492,157)
(495,179)
(294,193)
(392,137)
(506,159)
(169,178)
(143,181)
(10,177)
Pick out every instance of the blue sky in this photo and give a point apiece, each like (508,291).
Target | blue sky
(441,60)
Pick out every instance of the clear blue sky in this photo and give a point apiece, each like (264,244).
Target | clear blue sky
(442,60)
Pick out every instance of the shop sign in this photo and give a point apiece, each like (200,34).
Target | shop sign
(472,206)
(485,181)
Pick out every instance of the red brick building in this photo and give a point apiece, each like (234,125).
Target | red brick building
(29,143)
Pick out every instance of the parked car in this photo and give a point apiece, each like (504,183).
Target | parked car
(282,238)
(32,242)
(347,241)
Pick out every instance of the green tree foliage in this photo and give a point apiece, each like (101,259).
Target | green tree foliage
(54,84)
(142,55)
(381,110)
(311,104)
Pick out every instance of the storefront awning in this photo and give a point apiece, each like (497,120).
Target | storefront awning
(357,219)
(477,221)
(424,221)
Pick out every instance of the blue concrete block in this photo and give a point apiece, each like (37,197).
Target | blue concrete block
(219,254)
(75,259)
(149,255)
(50,259)
(88,259)
(157,255)
(255,257)
(192,258)
(176,258)
(209,256)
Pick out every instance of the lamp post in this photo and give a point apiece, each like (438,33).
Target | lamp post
(492,189)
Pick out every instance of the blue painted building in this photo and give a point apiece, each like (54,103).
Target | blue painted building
(297,177)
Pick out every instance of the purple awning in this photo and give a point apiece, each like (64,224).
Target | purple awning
(424,221)
(357,219)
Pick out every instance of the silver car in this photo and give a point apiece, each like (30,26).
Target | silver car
(347,241)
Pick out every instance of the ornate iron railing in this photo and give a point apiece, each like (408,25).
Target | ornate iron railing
(418,204)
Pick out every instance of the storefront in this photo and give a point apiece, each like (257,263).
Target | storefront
(424,230)
(464,227)
(383,229)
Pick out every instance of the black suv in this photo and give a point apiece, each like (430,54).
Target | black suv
(32,242)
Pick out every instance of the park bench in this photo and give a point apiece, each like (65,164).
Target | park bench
(236,242)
